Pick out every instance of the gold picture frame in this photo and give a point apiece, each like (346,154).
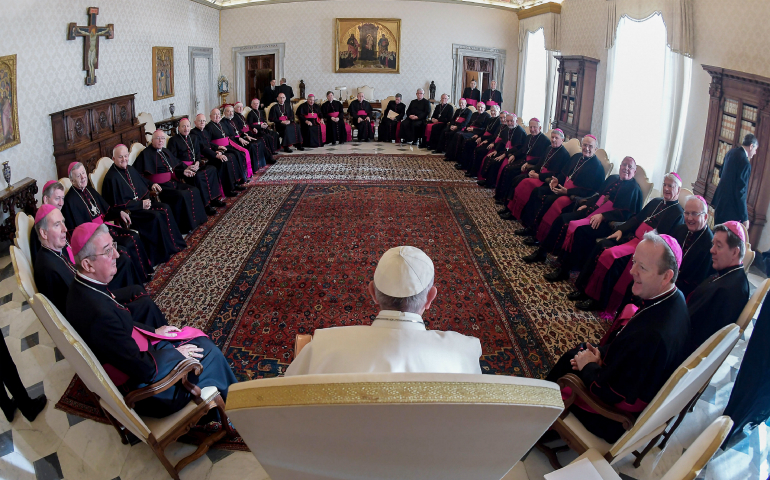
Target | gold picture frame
(162,72)
(9,104)
(367,45)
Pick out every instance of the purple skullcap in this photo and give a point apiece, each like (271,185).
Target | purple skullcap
(82,235)
(311,95)
(559,131)
(675,248)
(702,200)
(591,136)
(534,119)
(70,167)
(49,183)
(678,178)
(736,228)
(43,212)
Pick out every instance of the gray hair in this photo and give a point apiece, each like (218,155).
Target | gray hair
(671,176)
(495,107)
(77,166)
(668,260)
(41,225)
(411,304)
(398,95)
(47,192)
(750,140)
(420,90)
(699,200)
(733,240)
(89,249)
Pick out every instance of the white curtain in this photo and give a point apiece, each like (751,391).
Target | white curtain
(535,78)
(646,94)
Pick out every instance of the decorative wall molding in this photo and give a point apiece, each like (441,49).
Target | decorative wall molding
(239,62)
(208,54)
(549,7)
(459,52)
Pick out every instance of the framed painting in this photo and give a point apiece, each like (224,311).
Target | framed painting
(367,45)
(162,72)
(9,111)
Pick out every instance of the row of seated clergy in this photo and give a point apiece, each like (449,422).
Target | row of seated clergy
(452,138)
(498,142)
(397,340)
(255,124)
(530,157)
(477,137)
(362,117)
(484,122)
(136,351)
(282,116)
(461,119)
(488,164)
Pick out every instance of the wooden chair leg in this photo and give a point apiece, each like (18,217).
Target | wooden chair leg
(640,456)
(113,421)
(224,418)
(551,453)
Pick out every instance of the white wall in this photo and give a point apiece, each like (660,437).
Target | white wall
(49,68)
(428,31)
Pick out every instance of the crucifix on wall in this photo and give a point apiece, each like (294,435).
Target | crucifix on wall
(90,34)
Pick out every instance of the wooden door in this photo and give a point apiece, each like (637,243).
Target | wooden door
(260,69)
(480,69)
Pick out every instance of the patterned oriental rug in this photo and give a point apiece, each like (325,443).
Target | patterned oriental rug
(296,251)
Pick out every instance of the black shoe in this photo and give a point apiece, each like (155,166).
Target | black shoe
(271,161)
(301,148)
(532,242)
(577,296)
(217,203)
(524,232)
(557,275)
(503,211)
(10,409)
(535,257)
(231,194)
(508,216)
(32,408)
(287,149)
(210,211)
(481,183)
(499,201)
(469,175)
(587,305)
(240,188)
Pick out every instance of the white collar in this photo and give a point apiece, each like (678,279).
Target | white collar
(398,320)
(90,279)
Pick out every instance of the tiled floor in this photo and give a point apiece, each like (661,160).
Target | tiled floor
(58,446)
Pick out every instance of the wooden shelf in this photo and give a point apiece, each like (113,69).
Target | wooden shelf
(578,73)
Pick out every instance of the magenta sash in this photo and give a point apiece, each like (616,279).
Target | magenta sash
(620,322)
(460,119)
(160,177)
(334,114)
(70,254)
(398,132)
(490,103)
(521,196)
(362,113)
(283,118)
(508,145)
(245,129)
(574,224)
(311,115)
(187,163)
(223,142)
(500,171)
(530,157)
(428,130)
(553,212)
(471,102)
(349,131)
(98,220)
(608,257)
(486,134)
(143,340)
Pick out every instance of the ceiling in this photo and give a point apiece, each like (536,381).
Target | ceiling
(515,5)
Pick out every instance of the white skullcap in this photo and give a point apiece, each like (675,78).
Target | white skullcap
(403,272)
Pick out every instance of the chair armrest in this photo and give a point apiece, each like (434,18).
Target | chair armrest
(178,373)
(579,390)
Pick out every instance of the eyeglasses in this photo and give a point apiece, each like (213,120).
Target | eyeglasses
(107,251)
(694,214)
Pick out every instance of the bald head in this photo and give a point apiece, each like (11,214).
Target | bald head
(120,156)
(200,121)
(158,140)
(215,115)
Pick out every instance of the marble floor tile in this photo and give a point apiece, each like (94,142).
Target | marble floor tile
(15,466)
(48,468)
(240,465)
(92,450)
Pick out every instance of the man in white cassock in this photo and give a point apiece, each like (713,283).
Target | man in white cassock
(397,340)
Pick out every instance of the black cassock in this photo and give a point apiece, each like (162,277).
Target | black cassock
(493,95)
(730,196)
(311,134)
(414,130)
(715,303)
(660,215)
(491,167)
(696,257)
(496,145)
(88,206)
(106,326)
(226,171)
(636,361)
(290,134)
(462,118)
(254,120)
(587,175)
(206,178)
(749,402)
(54,274)
(443,114)
(477,126)
(232,171)
(256,149)
(465,156)
(363,111)
(532,153)
(163,168)
(387,129)
(335,131)
(244,128)
(471,94)
(626,198)
(157,227)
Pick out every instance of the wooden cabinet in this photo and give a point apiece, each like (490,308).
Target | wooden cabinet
(738,105)
(575,95)
(88,132)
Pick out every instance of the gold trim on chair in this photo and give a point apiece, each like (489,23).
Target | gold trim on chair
(393,392)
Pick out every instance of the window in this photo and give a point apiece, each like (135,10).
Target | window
(535,78)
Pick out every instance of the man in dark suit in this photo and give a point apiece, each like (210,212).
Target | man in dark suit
(270,95)
(730,197)
(286,90)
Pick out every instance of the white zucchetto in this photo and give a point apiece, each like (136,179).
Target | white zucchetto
(403,272)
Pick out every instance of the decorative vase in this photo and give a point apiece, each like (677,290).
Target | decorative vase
(7,174)
(171,109)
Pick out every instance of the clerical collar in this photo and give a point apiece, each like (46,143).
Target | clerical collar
(396,316)
(89,279)
(730,269)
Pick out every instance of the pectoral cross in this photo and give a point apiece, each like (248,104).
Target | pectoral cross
(90,34)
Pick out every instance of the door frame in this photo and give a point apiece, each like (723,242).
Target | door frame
(459,52)
(239,63)
(208,54)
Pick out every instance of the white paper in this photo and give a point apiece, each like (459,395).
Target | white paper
(583,469)
(392,114)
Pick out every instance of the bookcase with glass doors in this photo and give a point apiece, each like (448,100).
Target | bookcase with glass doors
(575,95)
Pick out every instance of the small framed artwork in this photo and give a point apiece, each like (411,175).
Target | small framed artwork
(162,72)
(367,45)
(9,111)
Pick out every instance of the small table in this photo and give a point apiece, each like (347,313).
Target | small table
(20,195)
(169,125)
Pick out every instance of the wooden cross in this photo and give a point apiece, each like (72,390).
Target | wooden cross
(90,34)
